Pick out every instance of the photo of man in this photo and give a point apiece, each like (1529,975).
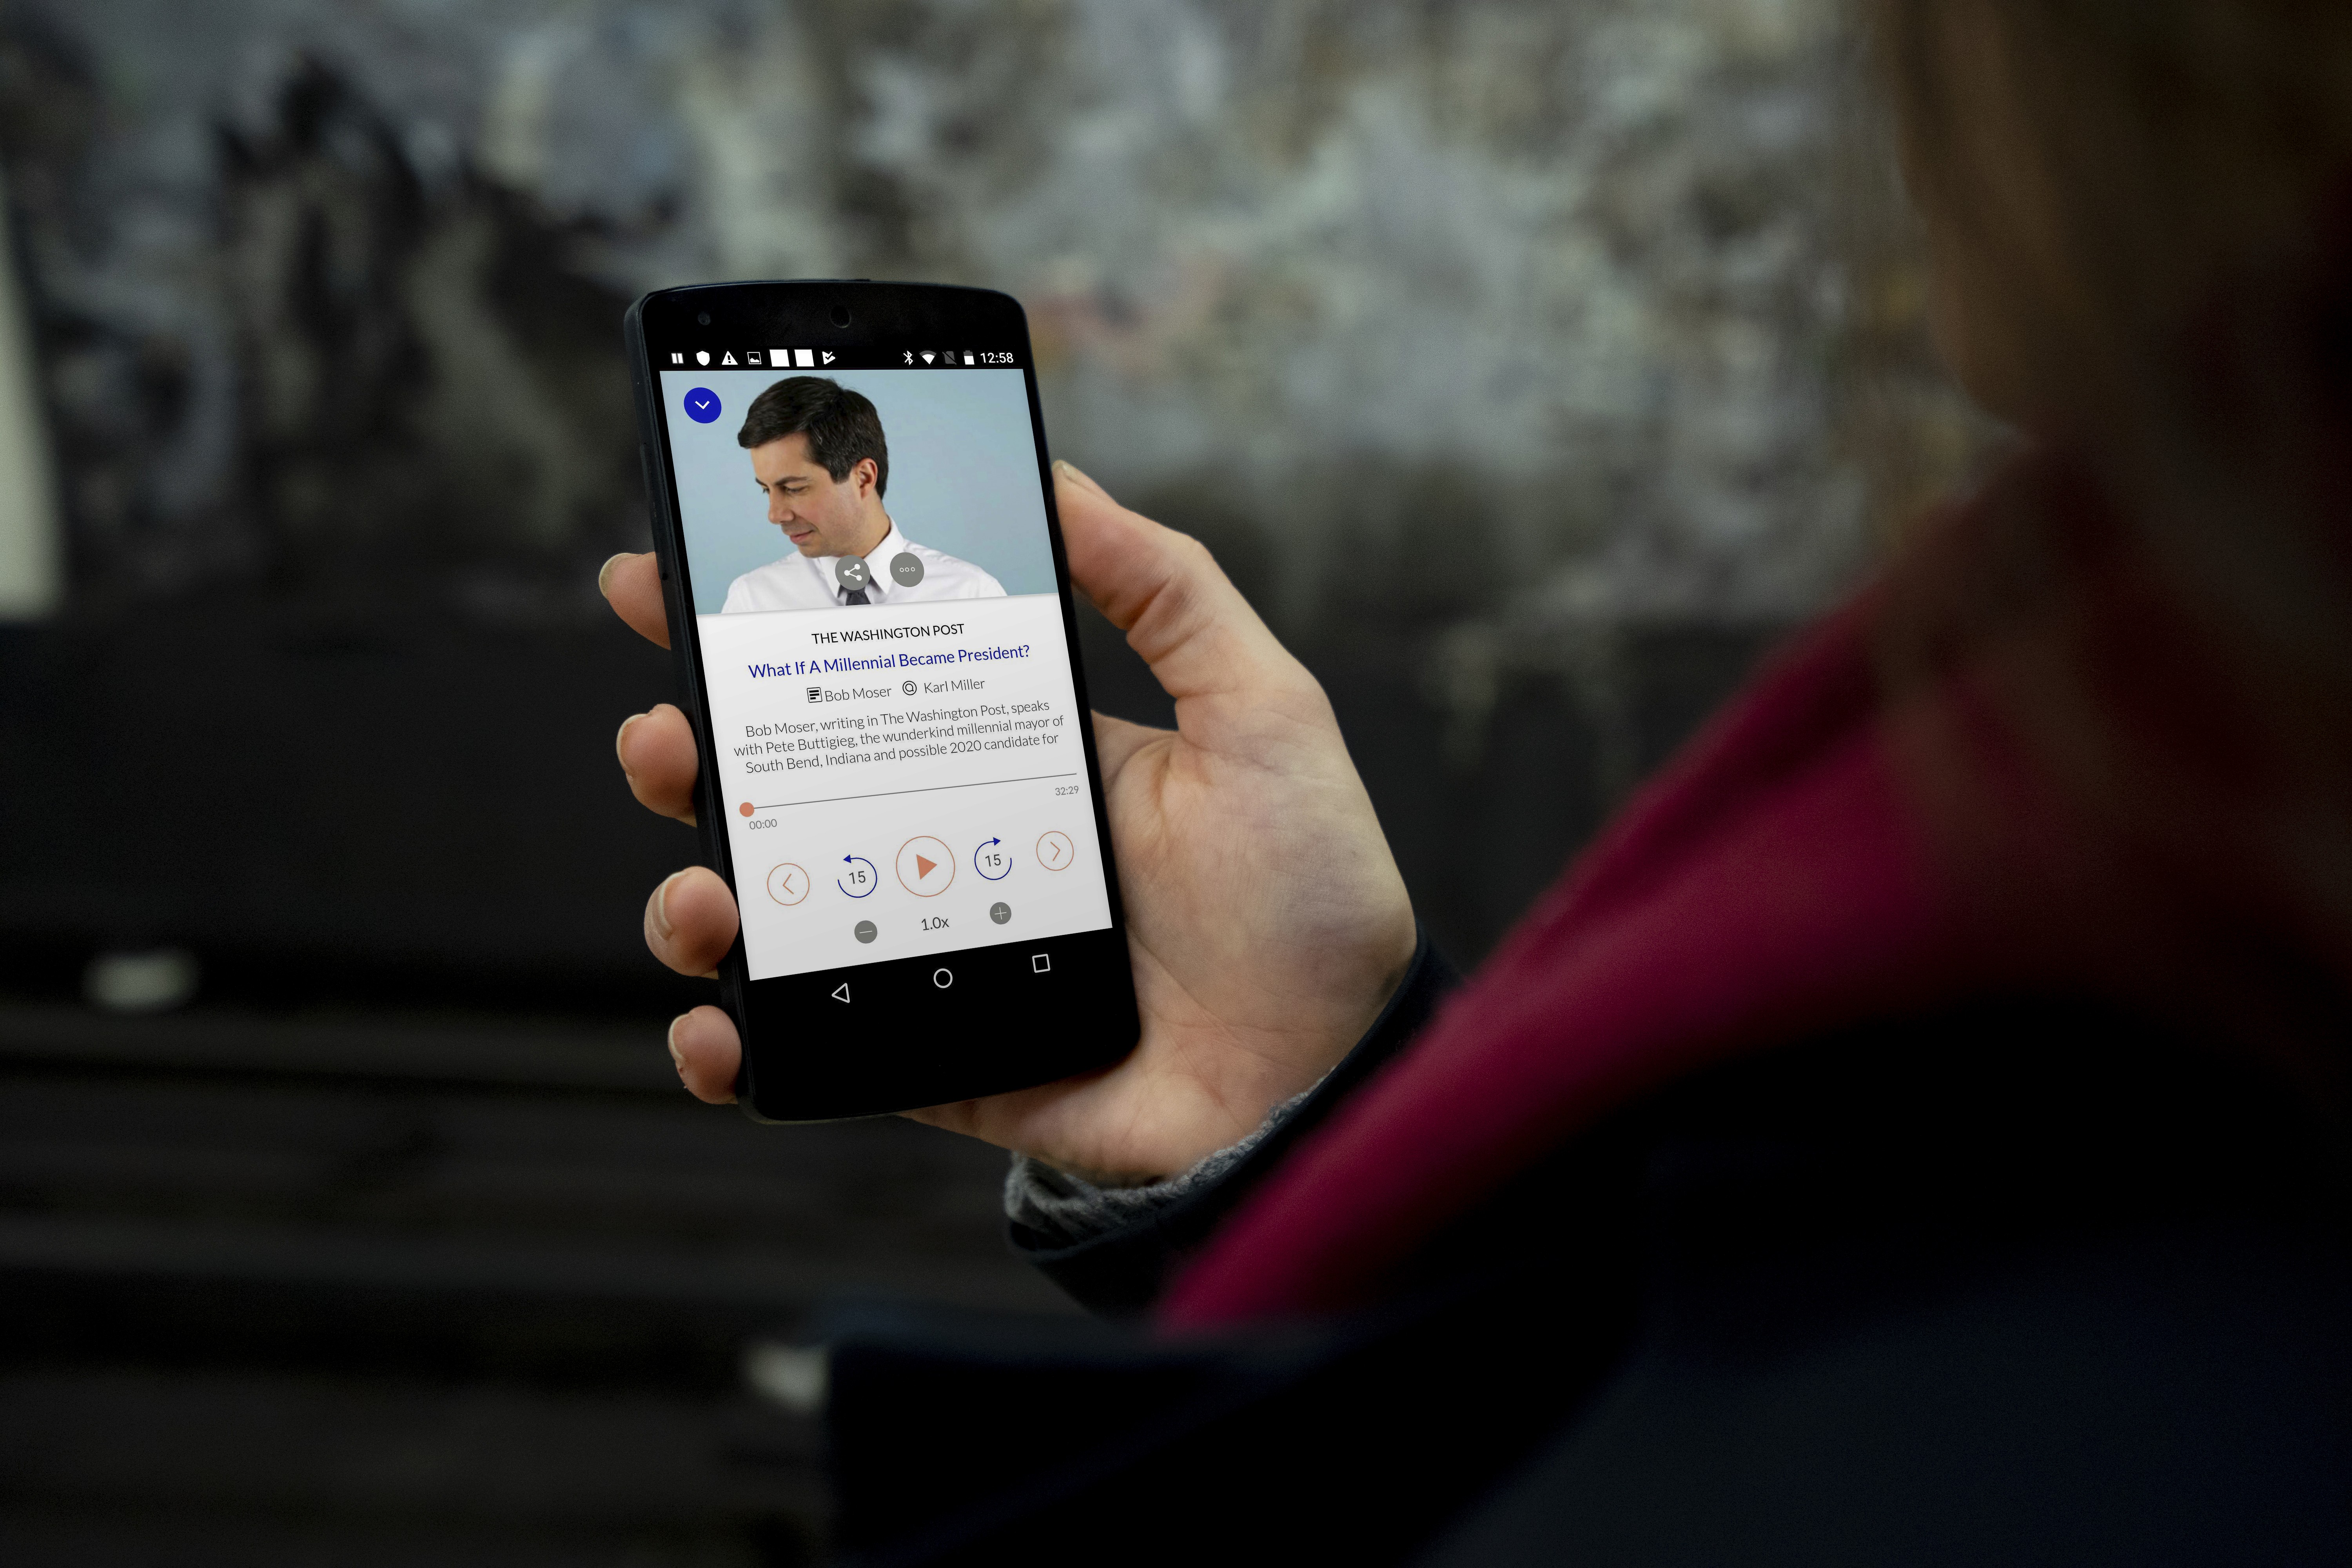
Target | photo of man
(818,453)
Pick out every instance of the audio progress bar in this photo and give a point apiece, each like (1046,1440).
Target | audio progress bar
(880,794)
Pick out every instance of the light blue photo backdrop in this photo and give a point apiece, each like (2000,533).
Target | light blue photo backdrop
(964,473)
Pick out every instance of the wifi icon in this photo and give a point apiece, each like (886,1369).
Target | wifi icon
(928,357)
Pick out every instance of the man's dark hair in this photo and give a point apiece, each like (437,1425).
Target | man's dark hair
(842,428)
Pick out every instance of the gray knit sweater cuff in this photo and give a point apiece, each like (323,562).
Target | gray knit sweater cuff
(1069,1210)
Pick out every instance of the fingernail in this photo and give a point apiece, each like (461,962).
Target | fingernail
(677,1056)
(605,573)
(622,739)
(658,911)
(1071,471)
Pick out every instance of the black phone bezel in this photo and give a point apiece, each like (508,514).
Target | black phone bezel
(1005,1020)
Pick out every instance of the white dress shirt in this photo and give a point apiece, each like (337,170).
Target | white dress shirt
(807,582)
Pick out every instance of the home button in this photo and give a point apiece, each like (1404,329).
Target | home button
(942,978)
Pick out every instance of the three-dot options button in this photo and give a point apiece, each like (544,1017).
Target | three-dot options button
(926,867)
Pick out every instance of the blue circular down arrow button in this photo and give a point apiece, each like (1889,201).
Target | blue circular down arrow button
(856,877)
(992,860)
(701,405)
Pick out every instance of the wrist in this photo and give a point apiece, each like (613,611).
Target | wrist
(1207,1101)
(1115,1254)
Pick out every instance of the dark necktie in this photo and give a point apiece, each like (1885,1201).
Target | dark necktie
(857,596)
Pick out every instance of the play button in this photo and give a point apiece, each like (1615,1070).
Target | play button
(926,867)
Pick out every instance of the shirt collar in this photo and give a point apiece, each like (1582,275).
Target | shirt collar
(892,544)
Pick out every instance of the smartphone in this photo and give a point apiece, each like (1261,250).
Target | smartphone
(876,647)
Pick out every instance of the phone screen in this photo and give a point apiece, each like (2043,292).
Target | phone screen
(885,663)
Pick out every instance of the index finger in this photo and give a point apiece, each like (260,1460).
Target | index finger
(632,586)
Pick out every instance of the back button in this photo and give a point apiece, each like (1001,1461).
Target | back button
(841,991)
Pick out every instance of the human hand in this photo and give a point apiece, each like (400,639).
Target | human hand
(1266,921)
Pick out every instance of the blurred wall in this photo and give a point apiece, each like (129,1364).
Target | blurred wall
(31,573)
(1488,345)
(1533,366)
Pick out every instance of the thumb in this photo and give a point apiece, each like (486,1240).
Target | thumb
(1166,592)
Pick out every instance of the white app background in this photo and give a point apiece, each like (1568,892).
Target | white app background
(914,813)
